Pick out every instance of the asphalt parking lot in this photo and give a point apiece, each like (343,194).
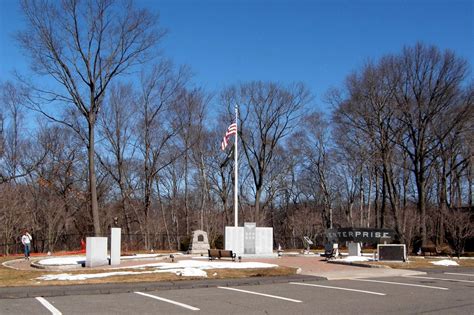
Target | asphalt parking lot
(440,292)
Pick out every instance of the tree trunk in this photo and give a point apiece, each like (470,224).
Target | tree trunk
(384,202)
(92,179)
(376,201)
(257,205)
(186,206)
(369,200)
(422,210)
(443,204)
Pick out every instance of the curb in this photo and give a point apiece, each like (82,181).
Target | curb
(111,288)
(356,264)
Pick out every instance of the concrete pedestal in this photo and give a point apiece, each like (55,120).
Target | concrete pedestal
(115,243)
(96,251)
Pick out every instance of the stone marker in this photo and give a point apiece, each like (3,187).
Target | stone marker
(354,249)
(249,240)
(249,237)
(392,252)
(234,239)
(115,243)
(199,243)
(96,251)
(264,241)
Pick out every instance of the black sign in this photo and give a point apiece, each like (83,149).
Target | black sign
(393,252)
(360,235)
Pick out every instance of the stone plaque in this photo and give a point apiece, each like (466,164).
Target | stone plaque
(391,252)
(249,237)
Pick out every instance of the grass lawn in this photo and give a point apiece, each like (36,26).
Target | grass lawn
(11,277)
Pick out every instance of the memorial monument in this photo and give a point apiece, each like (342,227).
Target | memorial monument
(248,240)
(96,251)
(199,243)
(115,246)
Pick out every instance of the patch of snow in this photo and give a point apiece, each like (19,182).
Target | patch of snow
(84,276)
(77,260)
(356,258)
(186,268)
(139,256)
(445,262)
(193,272)
(186,272)
(208,265)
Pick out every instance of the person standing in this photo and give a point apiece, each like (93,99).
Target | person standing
(26,240)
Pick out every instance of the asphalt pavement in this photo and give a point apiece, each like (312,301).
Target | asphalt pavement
(445,291)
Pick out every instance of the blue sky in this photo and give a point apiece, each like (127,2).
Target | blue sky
(316,42)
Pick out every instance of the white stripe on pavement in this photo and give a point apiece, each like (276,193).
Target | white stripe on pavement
(337,288)
(189,307)
(49,306)
(262,294)
(430,278)
(399,283)
(460,274)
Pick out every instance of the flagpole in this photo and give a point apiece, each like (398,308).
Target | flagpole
(236,172)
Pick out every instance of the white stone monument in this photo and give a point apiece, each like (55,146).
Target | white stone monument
(199,243)
(264,241)
(354,249)
(249,240)
(115,246)
(234,239)
(96,251)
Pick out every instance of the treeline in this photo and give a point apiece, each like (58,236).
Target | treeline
(396,150)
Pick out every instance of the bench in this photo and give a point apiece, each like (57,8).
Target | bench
(330,253)
(220,253)
(430,250)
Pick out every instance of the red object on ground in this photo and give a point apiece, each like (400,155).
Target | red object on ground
(83,245)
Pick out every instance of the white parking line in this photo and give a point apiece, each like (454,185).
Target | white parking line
(262,294)
(49,306)
(399,283)
(430,278)
(189,307)
(460,274)
(337,288)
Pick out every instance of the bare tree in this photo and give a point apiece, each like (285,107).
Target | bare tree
(373,131)
(84,46)
(317,162)
(267,114)
(116,122)
(15,162)
(428,86)
(460,227)
(158,126)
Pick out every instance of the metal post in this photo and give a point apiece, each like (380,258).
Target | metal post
(236,172)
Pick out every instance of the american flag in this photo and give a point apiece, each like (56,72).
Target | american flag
(232,130)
